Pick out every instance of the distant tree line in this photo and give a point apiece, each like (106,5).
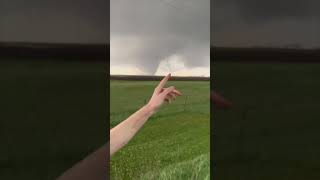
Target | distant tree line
(264,54)
(156,78)
(77,52)
(101,52)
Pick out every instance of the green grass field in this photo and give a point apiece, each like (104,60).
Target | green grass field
(174,143)
(273,130)
(52,115)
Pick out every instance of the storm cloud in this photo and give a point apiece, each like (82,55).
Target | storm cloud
(265,23)
(145,33)
(61,21)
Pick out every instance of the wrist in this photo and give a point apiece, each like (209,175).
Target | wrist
(149,109)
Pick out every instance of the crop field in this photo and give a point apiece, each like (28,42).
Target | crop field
(52,115)
(174,143)
(272,132)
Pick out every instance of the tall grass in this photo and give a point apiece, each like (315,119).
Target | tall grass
(272,132)
(197,168)
(177,137)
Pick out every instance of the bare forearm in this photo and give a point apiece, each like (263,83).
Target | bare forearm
(122,133)
(92,167)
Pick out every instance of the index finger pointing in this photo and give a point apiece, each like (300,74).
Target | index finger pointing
(163,82)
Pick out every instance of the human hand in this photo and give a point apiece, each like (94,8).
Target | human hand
(219,101)
(162,94)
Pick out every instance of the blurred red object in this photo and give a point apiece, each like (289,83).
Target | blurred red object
(219,101)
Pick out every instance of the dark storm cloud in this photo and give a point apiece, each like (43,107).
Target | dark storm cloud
(162,28)
(265,22)
(270,9)
(80,21)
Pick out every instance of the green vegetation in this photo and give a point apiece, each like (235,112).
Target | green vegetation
(52,115)
(273,130)
(174,143)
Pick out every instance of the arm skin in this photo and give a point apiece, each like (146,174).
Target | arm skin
(94,167)
(124,132)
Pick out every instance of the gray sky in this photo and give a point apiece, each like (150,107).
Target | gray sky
(160,36)
(265,23)
(63,21)
(233,22)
